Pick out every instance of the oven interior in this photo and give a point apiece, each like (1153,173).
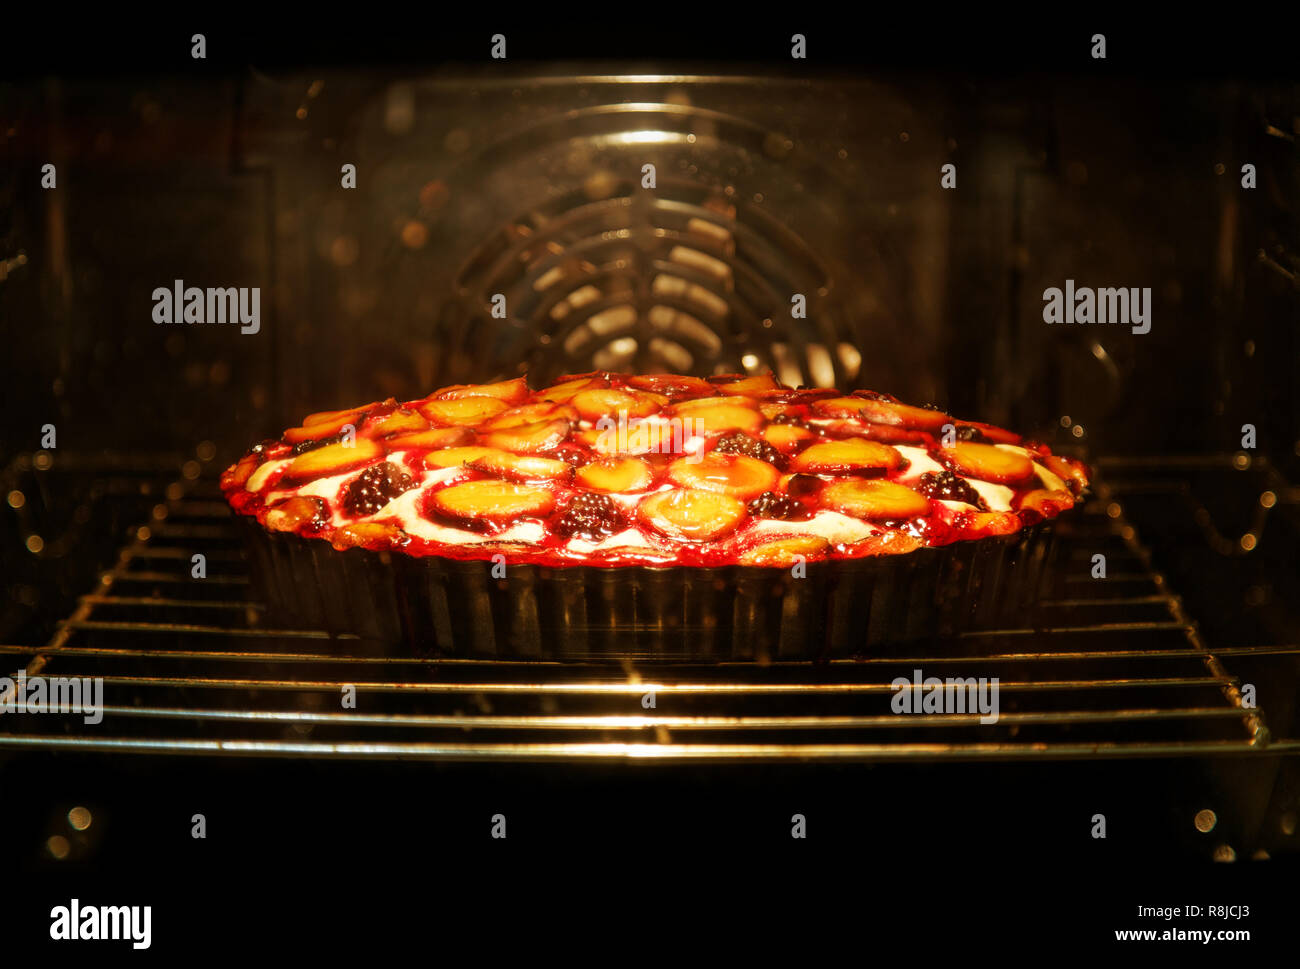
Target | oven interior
(1165,692)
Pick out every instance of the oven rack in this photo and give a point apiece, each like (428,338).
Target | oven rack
(1107,668)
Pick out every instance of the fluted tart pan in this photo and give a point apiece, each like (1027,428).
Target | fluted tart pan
(660,517)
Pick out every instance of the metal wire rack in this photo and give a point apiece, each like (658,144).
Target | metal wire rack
(1106,668)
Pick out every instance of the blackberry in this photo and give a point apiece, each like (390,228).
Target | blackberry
(591,516)
(946,486)
(570,455)
(771,505)
(748,446)
(967,433)
(375,487)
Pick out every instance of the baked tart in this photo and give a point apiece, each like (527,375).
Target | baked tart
(654,516)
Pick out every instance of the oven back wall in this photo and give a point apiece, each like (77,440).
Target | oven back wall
(145,194)
(530,188)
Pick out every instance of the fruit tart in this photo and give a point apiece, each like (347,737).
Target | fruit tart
(648,516)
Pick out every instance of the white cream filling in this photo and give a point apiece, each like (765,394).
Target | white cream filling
(259,477)
(1050,481)
(530,533)
(628,538)
(921,462)
(406,509)
(439,475)
(831,525)
(630,499)
(326,488)
(997,497)
(1016,449)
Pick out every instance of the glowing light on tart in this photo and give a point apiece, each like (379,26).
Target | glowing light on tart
(335,417)
(454,457)
(593,405)
(749,385)
(988,462)
(874,500)
(530,414)
(485,503)
(520,467)
(883,412)
(719,415)
(691,514)
(325,427)
(511,391)
(846,457)
(727,474)
(787,437)
(730,470)
(615,475)
(1047,503)
(786,552)
(671,385)
(333,458)
(367,533)
(567,390)
(463,410)
(400,422)
(434,438)
(531,438)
